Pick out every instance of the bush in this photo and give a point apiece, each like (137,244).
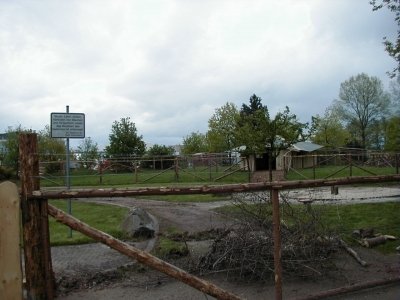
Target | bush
(6,174)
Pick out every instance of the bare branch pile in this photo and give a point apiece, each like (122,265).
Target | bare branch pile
(245,251)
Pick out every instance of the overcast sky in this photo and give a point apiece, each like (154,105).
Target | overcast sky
(169,64)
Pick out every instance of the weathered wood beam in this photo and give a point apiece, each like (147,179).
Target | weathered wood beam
(38,267)
(141,256)
(210,189)
(353,288)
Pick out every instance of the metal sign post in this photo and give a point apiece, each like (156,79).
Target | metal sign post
(67,178)
(67,125)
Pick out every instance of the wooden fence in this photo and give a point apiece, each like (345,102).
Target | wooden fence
(35,210)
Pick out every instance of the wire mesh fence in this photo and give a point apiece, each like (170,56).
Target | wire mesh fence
(123,170)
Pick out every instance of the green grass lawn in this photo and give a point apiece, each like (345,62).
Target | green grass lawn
(145,177)
(383,217)
(107,218)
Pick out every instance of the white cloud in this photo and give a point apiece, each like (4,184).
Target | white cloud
(169,64)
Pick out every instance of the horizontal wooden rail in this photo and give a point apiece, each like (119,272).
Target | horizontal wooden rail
(210,189)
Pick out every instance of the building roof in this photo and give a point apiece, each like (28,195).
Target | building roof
(305,146)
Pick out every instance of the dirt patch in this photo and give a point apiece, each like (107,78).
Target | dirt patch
(135,281)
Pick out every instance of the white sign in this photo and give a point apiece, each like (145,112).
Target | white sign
(67,125)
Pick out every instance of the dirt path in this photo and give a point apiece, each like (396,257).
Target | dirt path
(185,217)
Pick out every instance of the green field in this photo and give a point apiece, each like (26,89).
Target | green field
(107,218)
(145,177)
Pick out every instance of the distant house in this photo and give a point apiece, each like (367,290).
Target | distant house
(298,156)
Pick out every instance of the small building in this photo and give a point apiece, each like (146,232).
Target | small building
(298,156)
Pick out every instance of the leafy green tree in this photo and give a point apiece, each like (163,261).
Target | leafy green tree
(11,155)
(255,105)
(329,130)
(161,150)
(260,133)
(391,47)
(392,134)
(88,152)
(124,140)
(362,101)
(283,131)
(52,151)
(160,157)
(222,127)
(252,120)
(257,130)
(395,96)
(195,142)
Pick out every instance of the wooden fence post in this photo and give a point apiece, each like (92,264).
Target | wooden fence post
(176,169)
(276,222)
(10,252)
(38,268)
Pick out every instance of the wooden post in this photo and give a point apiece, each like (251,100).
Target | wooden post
(38,268)
(10,252)
(276,221)
(176,169)
(397,162)
(136,171)
(350,165)
(101,172)
(313,165)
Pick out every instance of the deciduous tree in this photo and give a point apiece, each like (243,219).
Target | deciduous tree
(329,130)
(52,151)
(260,133)
(221,128)
(11,153)
(88,152)
(124,140)
(362,101)
(392,134)
(195,142)
(391,47)
(159,157)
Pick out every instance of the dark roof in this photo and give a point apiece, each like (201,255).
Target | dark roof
(305,146)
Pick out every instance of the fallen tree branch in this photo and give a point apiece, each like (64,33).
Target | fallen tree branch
(352,288)
(141,256)
(352,253)
(372,242)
